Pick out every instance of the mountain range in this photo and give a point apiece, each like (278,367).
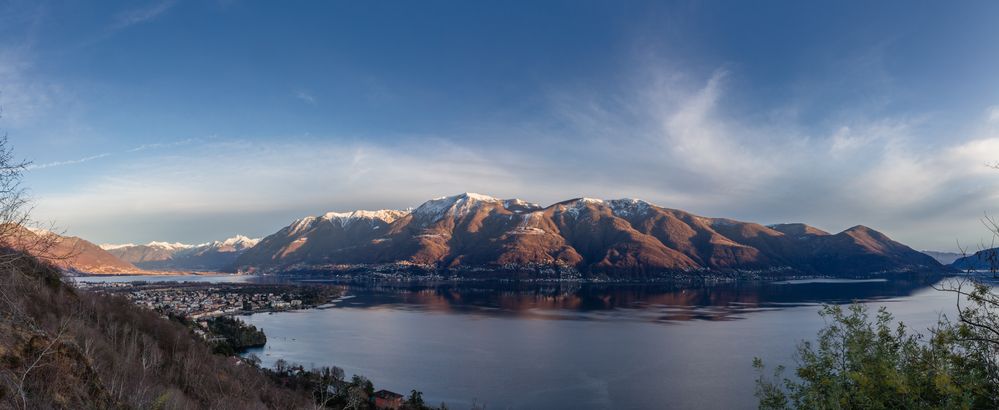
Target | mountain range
(159,256)
(471,234)
(986,259)
(617,238)
(945,258)
(70,253)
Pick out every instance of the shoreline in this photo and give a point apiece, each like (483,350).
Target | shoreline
(339,278)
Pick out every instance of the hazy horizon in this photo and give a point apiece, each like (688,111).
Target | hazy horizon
(192,121)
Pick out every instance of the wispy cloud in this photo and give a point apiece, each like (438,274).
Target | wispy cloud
(68,162)
(140,148)
(139,15)
(669,139)
(160,145)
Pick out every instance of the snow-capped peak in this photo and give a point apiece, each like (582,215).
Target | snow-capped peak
(302,224)
(237,243)
(574,206)
(241,240)
(435,209)
(110,246)
(345,218)
(169,245)
(478,197)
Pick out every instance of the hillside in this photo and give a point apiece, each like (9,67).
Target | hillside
(71,253)
(621,238)
(982,260)
(63,348)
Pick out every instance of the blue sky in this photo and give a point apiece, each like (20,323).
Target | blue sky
(196,120)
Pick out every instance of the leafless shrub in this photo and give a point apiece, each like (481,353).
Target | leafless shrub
(977,303)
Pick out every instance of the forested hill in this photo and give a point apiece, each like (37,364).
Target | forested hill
(65,348)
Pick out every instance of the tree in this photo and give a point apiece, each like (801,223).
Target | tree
(14,207)
(859,362)
(415,401)
(16,246)
(977,325)
(327,388)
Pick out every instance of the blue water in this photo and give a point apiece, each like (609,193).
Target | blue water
(570,345)
(579,347)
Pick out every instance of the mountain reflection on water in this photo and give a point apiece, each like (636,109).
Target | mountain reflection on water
(579,346)
(658,303)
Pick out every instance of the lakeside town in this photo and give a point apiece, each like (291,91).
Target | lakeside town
(208,309)
(195,301)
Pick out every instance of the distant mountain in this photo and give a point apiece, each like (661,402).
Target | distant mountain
(71,253)
(945,258)
(624,237)
(981,260)
(209,256)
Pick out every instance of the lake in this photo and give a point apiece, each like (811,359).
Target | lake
(577,346)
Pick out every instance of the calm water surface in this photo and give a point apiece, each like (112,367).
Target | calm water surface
(580,347)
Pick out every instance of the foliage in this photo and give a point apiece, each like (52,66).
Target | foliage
(415,401)
(859,362)
(238,335)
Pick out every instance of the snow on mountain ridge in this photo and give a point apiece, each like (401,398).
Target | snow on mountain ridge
(520,205)
(461,204)
(574,206)
(302,224)
(346,218)
(110,246)
(627,207)
(239,242)
(477,197)
(169,245)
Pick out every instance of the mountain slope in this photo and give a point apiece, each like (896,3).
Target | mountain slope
(72,349)
(72,253)
(625,237)
(945,258)
(982,260)
(139,254)
(164,256)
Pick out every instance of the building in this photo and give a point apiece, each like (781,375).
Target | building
(385,399)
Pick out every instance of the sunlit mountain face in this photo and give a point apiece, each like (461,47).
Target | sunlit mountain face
(625,237)
(209,256)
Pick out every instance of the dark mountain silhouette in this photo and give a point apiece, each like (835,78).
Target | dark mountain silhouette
(986,259)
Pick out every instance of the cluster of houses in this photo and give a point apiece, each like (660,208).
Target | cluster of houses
(203,302)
